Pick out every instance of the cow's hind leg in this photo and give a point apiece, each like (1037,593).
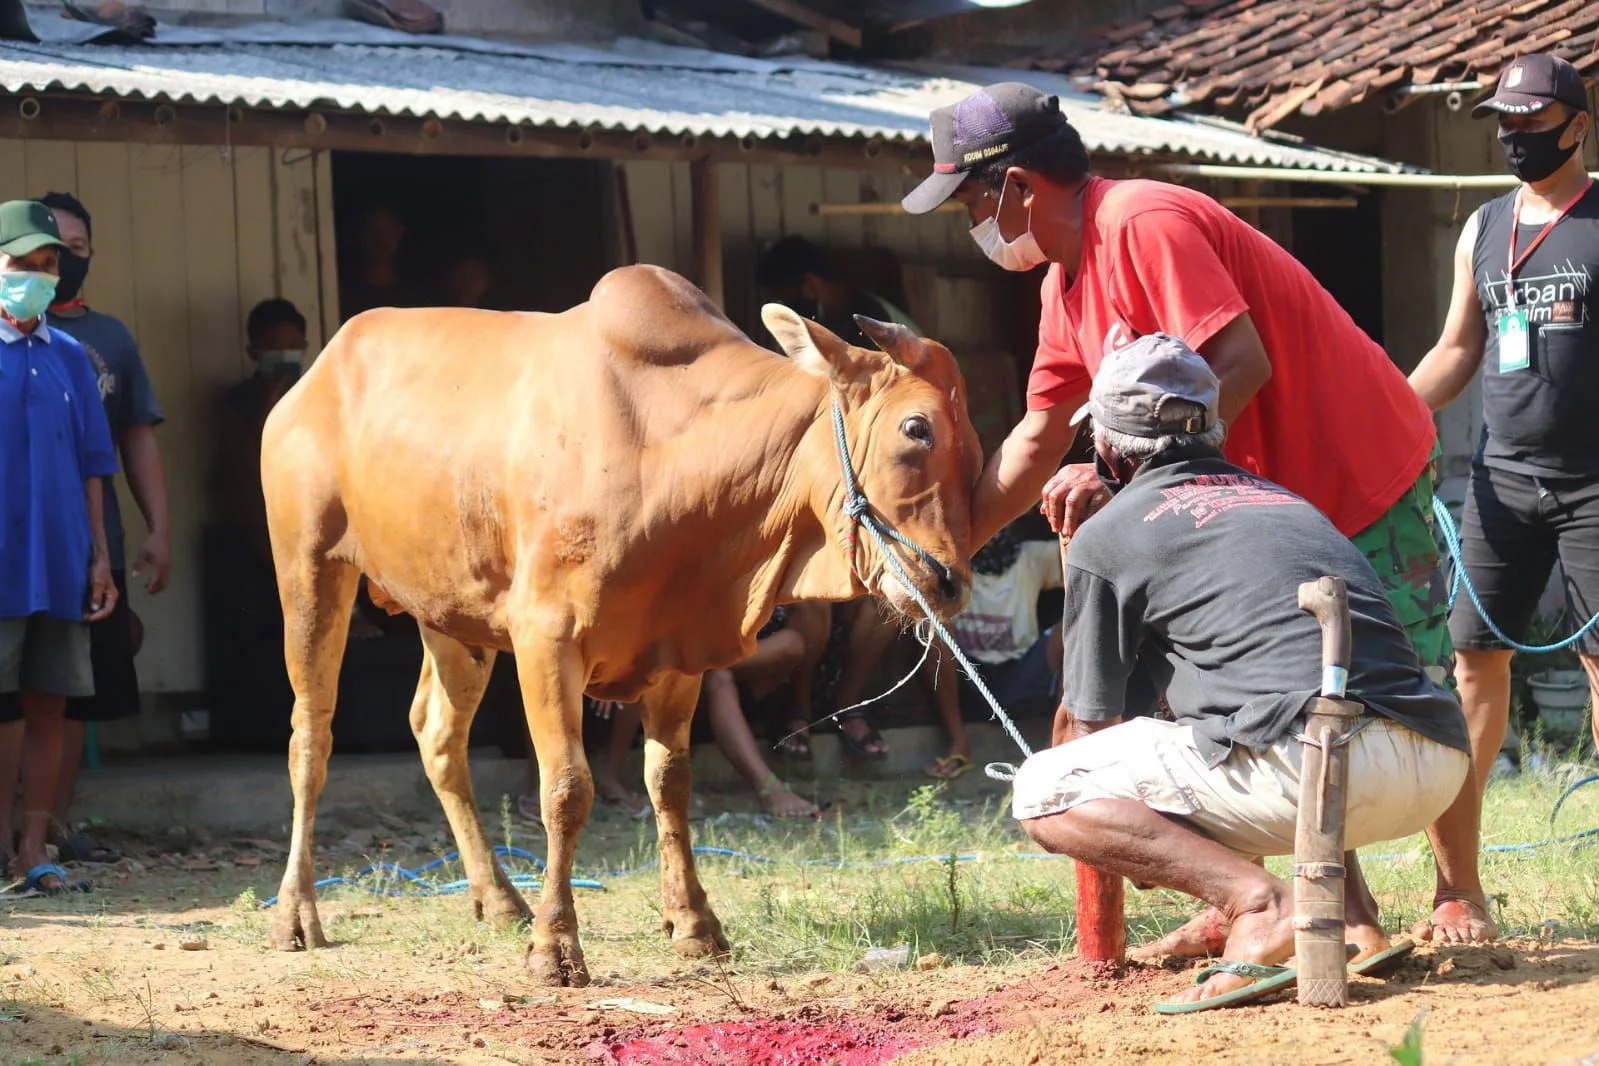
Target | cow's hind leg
(687,916)
(317,595)
(552,694)
(453,679)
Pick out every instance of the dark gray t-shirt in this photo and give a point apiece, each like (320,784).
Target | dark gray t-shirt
(1538,412)
(124,389)
(1193,571)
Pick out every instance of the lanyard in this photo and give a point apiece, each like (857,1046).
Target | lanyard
(1515,261)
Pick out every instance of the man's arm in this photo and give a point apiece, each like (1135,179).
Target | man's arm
(102,590)
(1238,357)
(141,458)
(1443,373)
(1016,472)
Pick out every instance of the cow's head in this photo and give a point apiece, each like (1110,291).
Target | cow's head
(915,453)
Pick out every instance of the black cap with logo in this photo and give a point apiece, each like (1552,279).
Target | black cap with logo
(995,121)
(1531,83)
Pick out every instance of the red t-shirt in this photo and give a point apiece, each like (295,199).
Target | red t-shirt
(1337,423)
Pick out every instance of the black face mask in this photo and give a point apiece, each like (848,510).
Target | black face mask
(1113,484)
(74,269)
(1533,155)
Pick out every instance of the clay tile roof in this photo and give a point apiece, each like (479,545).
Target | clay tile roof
(1273,58)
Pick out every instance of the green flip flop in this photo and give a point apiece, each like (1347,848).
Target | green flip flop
(1384,961)
(1265,981)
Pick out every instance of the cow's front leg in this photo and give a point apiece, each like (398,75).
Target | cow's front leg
(688,918)
(552,694)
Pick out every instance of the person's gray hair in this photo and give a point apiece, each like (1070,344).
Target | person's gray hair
(1142,449)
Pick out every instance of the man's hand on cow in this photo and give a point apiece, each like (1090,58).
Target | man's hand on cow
(1071,496)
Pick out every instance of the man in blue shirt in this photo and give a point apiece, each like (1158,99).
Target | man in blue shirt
(55,571)
(133,413)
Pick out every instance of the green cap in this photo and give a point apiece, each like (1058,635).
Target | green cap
(26,226)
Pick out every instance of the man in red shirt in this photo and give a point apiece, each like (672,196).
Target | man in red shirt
(1311,402)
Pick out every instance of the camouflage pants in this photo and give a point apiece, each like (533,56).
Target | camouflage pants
(1402,548)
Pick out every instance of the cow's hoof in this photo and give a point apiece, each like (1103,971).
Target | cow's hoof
(503,910)
(295,926)
(697,936)
(558,964)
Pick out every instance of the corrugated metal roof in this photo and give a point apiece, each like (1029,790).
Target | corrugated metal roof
(626,85)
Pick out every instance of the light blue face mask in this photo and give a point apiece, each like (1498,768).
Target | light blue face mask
(25,294)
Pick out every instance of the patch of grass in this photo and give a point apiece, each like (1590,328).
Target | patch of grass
(814,896)
(1408,1051)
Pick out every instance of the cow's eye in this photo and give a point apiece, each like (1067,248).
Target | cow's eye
(918,429)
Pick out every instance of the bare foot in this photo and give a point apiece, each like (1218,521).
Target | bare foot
(1262,934)
(1457,921)
(1203,935)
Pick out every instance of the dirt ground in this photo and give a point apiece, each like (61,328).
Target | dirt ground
(86,984)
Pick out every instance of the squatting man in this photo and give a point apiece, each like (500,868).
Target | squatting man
(1191,573)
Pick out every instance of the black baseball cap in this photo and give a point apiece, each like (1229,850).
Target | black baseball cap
(993,122)
(1531,83)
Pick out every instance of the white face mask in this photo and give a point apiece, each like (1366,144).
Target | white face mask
(1021,254)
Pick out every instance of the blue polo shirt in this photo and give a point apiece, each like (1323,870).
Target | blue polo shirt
(53,437)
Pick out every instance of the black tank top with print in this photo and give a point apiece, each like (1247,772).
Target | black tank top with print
(1543,418)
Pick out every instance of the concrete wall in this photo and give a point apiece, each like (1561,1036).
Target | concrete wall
(186,241)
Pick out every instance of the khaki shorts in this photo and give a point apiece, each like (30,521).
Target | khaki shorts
(44,654)
(1399,783)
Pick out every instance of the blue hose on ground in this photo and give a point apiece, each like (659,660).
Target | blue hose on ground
(1451,534)
(413,883)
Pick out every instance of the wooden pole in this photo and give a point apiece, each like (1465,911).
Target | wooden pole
(707,232)
(1323,780)
(1101,898)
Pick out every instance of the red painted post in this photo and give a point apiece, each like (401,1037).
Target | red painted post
(1101,897)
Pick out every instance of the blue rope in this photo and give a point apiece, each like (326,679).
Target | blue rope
(414,883)
(859,509)
(1446,524)
(417,886)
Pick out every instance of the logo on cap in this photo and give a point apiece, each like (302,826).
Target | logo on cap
(1513,79)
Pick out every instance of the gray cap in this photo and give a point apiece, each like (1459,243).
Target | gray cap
(1135,383)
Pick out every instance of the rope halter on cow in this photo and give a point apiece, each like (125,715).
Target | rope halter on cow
(860,512)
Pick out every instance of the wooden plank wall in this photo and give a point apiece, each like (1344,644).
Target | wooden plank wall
(187,240)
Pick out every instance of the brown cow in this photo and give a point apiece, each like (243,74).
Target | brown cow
(619,494)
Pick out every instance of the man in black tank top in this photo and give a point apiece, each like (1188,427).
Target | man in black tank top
(1525,308)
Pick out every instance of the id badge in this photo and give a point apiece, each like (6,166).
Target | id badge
(1514,349)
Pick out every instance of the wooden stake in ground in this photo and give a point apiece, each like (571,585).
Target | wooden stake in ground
(1101,898)
(1323,781)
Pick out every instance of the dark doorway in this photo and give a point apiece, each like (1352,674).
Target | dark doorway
(1342,247)
(502,234)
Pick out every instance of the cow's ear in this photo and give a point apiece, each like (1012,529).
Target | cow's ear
(815,348)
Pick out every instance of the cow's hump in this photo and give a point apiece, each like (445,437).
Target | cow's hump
(650,314)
